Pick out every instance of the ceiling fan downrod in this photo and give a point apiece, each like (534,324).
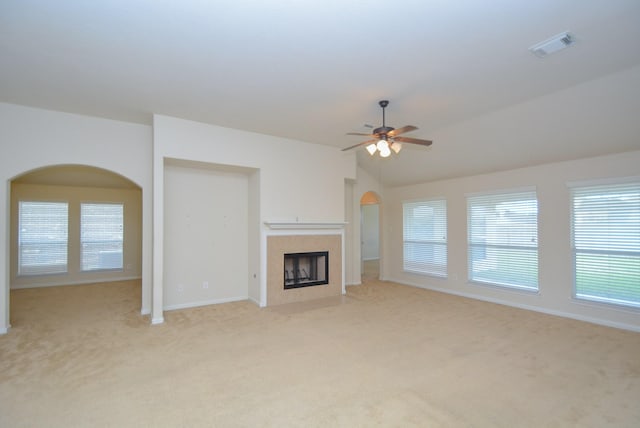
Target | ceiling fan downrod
(383,129)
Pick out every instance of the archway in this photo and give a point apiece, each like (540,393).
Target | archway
(370,235)
(48,255)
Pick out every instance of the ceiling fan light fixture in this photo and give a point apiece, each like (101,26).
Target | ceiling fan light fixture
(385,152)
(382,144)
(396,147)
(371,148)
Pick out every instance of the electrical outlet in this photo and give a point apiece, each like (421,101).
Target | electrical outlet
(205,284)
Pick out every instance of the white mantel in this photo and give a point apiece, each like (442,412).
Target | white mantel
(304,225)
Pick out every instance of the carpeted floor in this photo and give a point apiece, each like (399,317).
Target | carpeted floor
(383,355)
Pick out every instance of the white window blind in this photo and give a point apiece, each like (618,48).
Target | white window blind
(605,226)
(101,236)
(503,239)
(425,237)
(42,237)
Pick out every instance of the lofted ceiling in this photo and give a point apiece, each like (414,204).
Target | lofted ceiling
(314,70)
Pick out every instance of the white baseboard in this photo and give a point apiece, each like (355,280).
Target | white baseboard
(592,320)
(5,330)
(145,311)
(256,302)
(204,303)
(77,282)
(158,320)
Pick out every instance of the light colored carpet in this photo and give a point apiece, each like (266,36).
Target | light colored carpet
(383,355)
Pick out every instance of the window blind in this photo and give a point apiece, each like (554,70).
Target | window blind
(605,237)
(425,237)
(101,236)
(42,237)
(502,232)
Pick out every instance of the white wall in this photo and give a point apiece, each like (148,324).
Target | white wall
(205,235)
(34,138)
(555,260)
(297,182)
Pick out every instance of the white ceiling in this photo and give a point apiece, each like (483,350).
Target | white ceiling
(314,70)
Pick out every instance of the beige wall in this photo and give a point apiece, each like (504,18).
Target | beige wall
(555,257)
(74,196)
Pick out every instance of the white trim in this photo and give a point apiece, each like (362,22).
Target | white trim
(155,321)
(305,225)
(5,330)
(563,314)
(256,302)
(145,311)
(77,282)
(204,303)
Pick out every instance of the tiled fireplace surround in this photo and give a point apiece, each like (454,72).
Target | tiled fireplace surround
(289,238)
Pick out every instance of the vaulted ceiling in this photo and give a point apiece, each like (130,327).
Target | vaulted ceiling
(314,70)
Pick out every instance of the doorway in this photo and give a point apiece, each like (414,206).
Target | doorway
(370,236)
(75,225)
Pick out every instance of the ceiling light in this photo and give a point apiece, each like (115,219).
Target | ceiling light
(396,147)
(385,152)
(382,144)
(371,148)
(554,44)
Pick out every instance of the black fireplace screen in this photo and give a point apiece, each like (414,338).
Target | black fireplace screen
(306,269)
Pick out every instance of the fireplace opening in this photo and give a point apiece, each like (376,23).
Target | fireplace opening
(306,269)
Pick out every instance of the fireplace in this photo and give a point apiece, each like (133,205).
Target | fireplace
(319,261)
(306,269)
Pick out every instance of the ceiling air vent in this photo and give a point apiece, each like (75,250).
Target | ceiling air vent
(554,44)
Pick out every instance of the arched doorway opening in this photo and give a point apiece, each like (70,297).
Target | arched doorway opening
(74,225)
(370,241)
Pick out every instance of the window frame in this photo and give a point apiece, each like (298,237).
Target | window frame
(504,251)
(83,242)
(45,270)
(612,185)
(438,265)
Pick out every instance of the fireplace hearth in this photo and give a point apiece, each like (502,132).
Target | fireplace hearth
(306,269)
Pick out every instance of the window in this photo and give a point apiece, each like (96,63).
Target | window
(605,238)
(503,239)
(42,237)
(425,237)
(101,236)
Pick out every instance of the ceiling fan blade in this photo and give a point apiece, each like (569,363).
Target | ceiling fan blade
(360,133)
(413,141)
(359,144)
(402,130)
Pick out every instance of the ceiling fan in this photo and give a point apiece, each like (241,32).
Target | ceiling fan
(385,138)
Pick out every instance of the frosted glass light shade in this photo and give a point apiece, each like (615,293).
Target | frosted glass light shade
(371,148)
(382,144)
(396,147)
(385,152)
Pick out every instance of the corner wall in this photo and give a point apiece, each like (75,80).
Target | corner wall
(33,138)
(555,257)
